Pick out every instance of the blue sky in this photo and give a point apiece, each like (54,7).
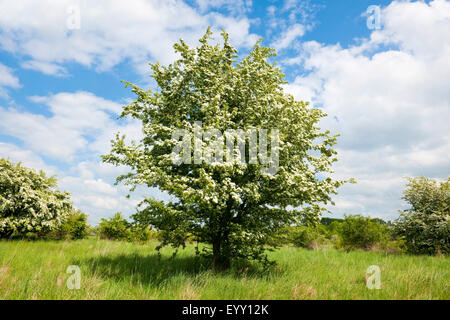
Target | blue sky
(385,89)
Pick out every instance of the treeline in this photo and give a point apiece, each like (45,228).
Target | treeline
(352,232)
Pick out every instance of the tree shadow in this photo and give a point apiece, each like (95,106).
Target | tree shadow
(152,269)
(146,269)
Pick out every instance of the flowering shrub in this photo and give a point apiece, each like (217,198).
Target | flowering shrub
(425,227)
(29,201)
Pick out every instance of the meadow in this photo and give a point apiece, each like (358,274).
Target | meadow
(125,270)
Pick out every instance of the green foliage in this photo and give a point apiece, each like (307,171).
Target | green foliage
(327,221)
(29,202)
(335,227)
(236,208)
(311,237)
(425,227)
(118,228)
(142,234)
(74,227)
(114,228)
(353,232)
(357,231)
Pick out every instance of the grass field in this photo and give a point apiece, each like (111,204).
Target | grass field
(121,270)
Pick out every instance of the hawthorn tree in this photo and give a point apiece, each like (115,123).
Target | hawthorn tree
(233,206)
(29,201)
(425,226)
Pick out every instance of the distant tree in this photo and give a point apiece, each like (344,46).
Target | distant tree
(327,221)
(29,201)
(425,226)
(380,221)
(234,207)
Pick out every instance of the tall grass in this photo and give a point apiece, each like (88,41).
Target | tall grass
(121,270)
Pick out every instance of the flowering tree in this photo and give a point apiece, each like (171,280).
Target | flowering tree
(29,202)
(231,201)
(425,226)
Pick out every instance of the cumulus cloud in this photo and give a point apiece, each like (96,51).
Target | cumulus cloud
(26,157)
(91,184)
(388,97)
(97,197)
(80,122)
(104,33)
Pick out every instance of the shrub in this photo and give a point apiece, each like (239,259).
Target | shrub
(425,227)
(29,202)
(311,237)
(142,234)
(357,231)
(74,227)
(335,227)
(114,228)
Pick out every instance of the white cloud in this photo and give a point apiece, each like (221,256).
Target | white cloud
(289,20)
(111,31)
(388,97)
(96,197)
(302,11)
(7,79)
(80,122)
(45,68)
(28,159)
(100,186)
(91,184)
(291,34)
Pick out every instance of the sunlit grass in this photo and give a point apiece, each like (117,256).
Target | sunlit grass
(121,270)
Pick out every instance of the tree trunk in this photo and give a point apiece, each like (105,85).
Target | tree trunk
(221,252)
(220,261)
